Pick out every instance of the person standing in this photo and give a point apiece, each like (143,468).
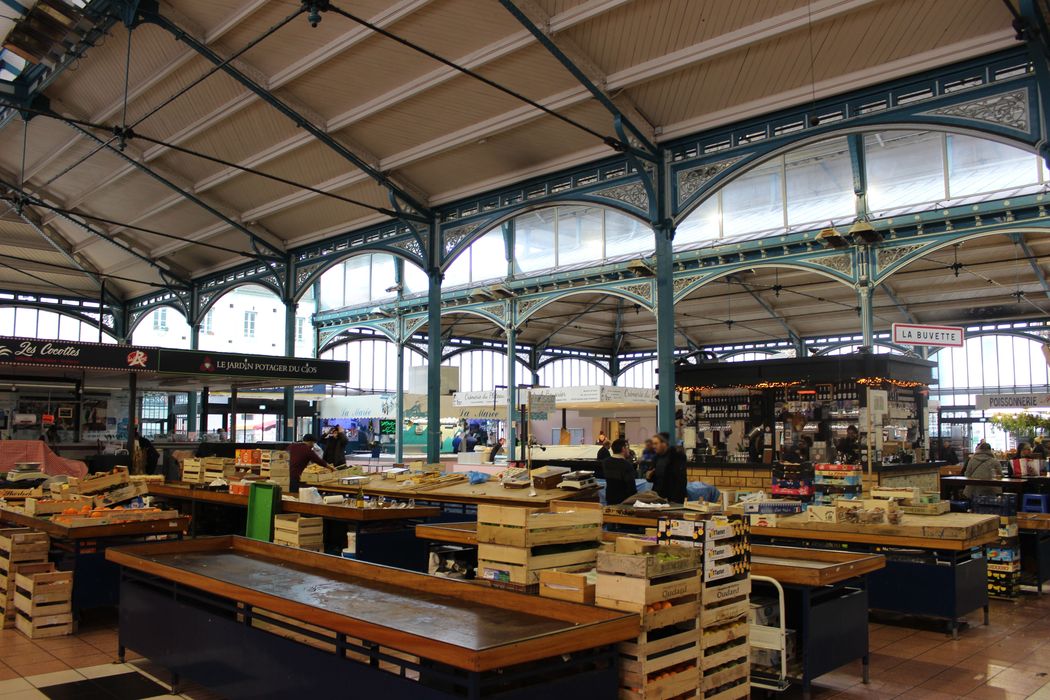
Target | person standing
(496,449)
(335,447)
(982,465)
(668,470)
(603,451)
(602,439)
(619,474)
(301,454)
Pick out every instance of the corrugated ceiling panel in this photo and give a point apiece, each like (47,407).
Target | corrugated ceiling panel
(98,79)
(635,32)
(528,146)
(318,214)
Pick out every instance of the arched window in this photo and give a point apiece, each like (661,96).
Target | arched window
(907,171)
(366,279)
(250,318)
(484,259)
(373,365)
(571,371)
(481,370)
(26,322)
(992,364)
(640,376)
(568,236)
(163,327)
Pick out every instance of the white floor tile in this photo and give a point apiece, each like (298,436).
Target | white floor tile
(30,694)
(57,678)
(106,670)
(14,685)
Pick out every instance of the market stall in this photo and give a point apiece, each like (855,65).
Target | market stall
(306,623)
(866,409)
(935,565)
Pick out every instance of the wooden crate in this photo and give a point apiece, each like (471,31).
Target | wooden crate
(637,670)
(43,601)
(192,470)
(663,562)
(936,508)
(569,584)
(7,592)
(532,527)
(634,594)
(20,545)
(718,676)
(123,493)
(295,530)
(735,692)
(50,506)
(101,482)
(679,685)
(522,565)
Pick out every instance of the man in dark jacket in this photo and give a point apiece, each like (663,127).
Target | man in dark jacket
(335,446)
(668,470)
(619,474)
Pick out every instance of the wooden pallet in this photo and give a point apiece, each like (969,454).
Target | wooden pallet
(43,601)
(533,527)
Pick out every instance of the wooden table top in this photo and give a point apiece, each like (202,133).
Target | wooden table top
(803,566)
(90,532)
(329,512)
(950,531)
(1033,521)
(453,622)
(490,492)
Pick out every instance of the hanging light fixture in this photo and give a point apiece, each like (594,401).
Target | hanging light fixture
(863,232)
(830,238)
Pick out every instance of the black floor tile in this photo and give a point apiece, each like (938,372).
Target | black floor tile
(123,686)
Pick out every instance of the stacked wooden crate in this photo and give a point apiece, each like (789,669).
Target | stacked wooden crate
(274,466)
(725,585)
(192,470)
(43,601)
(662,585)
(516,543)
(294,530)
(19,547)
(217,468)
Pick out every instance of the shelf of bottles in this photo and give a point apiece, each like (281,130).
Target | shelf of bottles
(722,405)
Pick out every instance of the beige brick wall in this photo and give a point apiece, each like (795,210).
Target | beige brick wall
(745,478)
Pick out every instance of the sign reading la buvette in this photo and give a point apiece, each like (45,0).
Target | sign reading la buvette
(930,336)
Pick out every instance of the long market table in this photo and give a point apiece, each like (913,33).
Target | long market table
(824,598)
(250,619)
(1034,532)
(463,493)
(82,550)
(935,565)
(379,533)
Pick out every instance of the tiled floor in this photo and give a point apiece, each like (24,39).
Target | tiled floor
(1007,660)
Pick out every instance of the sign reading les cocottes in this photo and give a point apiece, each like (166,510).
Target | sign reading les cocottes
(67,353)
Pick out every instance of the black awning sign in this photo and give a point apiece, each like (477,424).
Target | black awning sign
(64,353)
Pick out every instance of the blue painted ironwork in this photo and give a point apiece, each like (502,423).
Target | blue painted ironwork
(646,149)
(995,95)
